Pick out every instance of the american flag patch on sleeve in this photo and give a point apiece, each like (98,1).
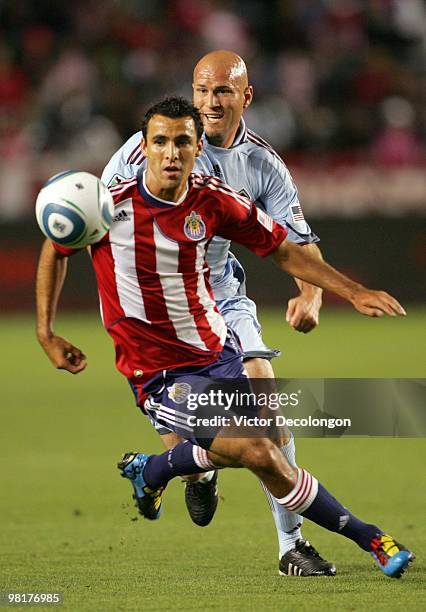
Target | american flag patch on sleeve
(264,219)
(297,213)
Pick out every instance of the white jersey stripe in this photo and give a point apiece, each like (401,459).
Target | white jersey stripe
(167,260)
(207,181)
(124,183)
(120,187)
(215,320)
(264,219)
(123,251)
(227,189)
(218,186)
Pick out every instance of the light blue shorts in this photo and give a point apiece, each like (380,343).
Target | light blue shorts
(240,315)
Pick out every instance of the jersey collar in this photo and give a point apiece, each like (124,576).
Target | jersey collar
(150,198)
(241,135)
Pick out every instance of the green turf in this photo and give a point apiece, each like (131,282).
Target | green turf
(67,523)
(349,345)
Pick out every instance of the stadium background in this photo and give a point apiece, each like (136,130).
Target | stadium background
(340,93)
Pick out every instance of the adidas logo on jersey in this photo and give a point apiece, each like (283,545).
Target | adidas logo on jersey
(122,216)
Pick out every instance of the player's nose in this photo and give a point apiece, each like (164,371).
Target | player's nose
(171,151)
(212,100)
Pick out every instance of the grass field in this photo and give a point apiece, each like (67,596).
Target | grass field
(67,524)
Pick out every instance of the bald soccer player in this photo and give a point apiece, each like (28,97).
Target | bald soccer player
(246,162)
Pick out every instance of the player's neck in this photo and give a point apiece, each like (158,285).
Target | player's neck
(173,195)
(223,141)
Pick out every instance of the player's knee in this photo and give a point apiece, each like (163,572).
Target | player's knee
(259,368)
(258,453)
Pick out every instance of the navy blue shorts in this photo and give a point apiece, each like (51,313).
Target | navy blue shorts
(193,402)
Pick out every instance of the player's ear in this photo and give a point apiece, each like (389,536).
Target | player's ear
(199,150)
(248,96)
(143,145)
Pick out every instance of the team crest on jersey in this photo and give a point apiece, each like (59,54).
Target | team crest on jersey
(194,227)
(179,392)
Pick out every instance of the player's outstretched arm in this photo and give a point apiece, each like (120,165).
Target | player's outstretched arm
(51,272)
(298,262)
(303,310)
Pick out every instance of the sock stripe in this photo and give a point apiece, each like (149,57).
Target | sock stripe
(201,458)
(290,497)
(311,496)
(303,489)
(303,494)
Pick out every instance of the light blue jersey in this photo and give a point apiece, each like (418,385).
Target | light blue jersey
(252,168)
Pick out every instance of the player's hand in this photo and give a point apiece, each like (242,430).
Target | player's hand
(376,303)
(303,313)
(64,355)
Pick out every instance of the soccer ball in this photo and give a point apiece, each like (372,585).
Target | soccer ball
(74,209)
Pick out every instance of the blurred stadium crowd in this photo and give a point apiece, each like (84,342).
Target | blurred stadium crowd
(340,89)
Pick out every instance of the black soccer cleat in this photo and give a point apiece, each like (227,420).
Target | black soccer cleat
(201,500)
(304,560)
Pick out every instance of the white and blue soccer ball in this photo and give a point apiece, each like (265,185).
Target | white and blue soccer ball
(74,209)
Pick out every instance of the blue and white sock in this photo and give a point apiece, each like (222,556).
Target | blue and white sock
(287,523)
(309,498)
(184,458)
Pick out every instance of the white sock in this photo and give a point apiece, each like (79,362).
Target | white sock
(287,523)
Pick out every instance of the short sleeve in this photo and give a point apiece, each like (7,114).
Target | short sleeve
(280,200)
(125,162)
(246,224)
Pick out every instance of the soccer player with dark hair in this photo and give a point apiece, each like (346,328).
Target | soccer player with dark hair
(158,307)
(247,163)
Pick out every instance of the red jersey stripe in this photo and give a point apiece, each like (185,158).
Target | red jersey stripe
(103,263)
(197,292)
(146,267)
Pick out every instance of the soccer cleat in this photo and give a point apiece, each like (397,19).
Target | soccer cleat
(390,556)
(304,560)
(201,500)
(148,501)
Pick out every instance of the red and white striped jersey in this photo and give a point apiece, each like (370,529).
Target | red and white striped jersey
(153,279)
